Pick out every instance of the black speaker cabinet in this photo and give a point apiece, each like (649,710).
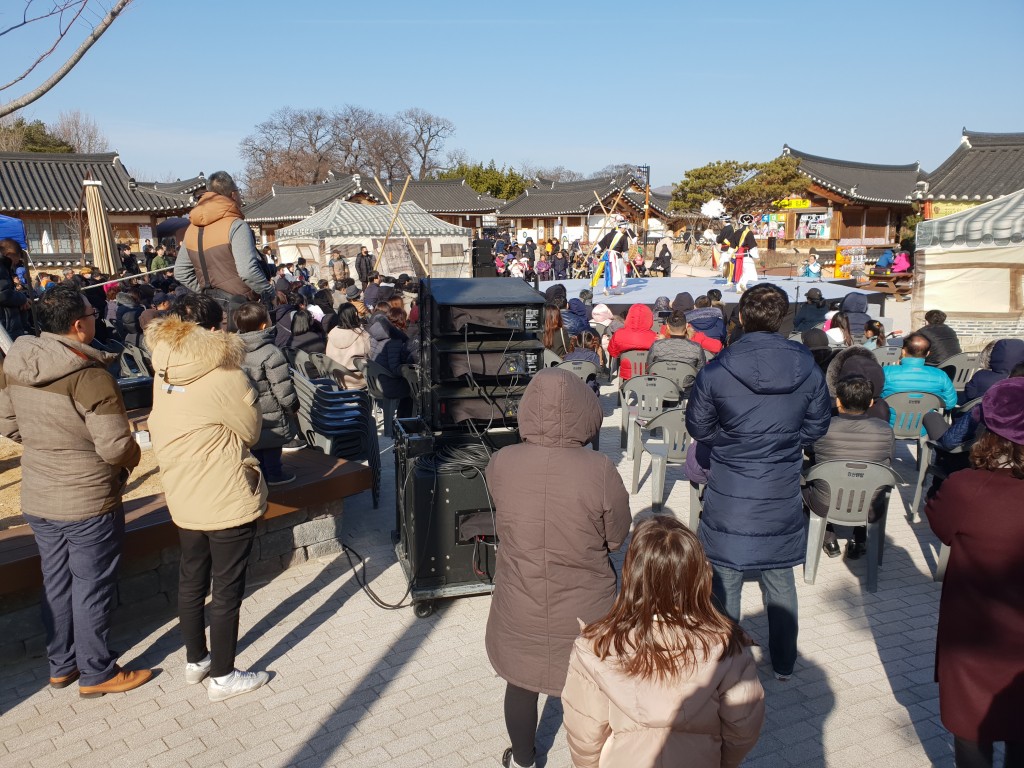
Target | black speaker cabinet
(482,253)
(484,270)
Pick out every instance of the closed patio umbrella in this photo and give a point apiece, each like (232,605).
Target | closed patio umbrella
(101,237)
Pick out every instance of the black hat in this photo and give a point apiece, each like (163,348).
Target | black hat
(814,294)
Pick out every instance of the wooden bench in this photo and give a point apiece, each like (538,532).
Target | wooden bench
(148,528)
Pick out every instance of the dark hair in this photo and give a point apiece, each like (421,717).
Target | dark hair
(855,393)
(382,306)
(60,307)
(323,285)
(296,297)
(1018,370)
(586,295)
(701,302)
(935,317)
(841,320)
(877,329)
(324,300)
(250,316)
(559,301)
(916,345)
(221,183)
(348,317)
(993,452)
(552,323)
(715,295)
(663,620)
(198,308)
(302,322)
(677,320)
(762,308)
(398,317)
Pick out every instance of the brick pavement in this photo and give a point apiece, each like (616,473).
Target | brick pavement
(354,685)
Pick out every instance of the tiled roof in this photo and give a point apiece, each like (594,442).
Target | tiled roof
(566,198)
(450,196)
(983,167)
(341,219)
(296,203)
(860,182)
(659,203)
(998,222)
(179,187)
(31,182)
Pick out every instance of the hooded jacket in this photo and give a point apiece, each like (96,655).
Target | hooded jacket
(858,361)
(344,345)
(59,401)
(810,315)
(708,321)
(707,715)
(996,362)
(203,422)
(683,302)
(12,302)
(574,319)
(560,509)
(635,334)
(756,405)
(389,347)
(944,343)
(855,305)
(267,369)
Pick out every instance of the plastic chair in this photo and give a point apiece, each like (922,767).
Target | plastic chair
(888,355)
(651,393)
(960,368)
(670,449)
(696,505)
(551,359)
(852,485)
(133,362)
(582,368)
(411,374)
(682,374)
(637,362)
(909,409)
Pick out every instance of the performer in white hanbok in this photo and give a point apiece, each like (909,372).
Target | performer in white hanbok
(613,248)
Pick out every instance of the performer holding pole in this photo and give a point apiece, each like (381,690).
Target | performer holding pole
(613,247)
(741,250)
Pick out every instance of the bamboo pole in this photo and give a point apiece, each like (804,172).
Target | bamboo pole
(408,238)
(604,210)
(394,216)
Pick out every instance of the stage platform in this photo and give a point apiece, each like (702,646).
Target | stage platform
(645,290)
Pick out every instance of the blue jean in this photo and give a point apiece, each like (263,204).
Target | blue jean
(778,589)
(79,562)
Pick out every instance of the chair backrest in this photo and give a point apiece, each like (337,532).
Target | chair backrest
(637,361)
(582,368)
(374,372)
(133,362)
(551,359)
(411,374)
(672,424)
(909,409)
(682,374)
(852,485)
(650,392)
(311,364)
(960,368)
(888,355)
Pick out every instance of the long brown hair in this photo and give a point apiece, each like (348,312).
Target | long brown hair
(663,619)
(552,324)
(993,452)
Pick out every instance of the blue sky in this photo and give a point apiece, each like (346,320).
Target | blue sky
(176,84)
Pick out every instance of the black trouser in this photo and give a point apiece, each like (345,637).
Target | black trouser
(521,722)
(220,557)
(973,754)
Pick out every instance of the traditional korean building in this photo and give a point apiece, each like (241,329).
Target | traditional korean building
(572,210)
(984,167)
(848,203)
(45,192)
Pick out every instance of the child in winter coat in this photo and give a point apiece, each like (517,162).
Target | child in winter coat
(266,367)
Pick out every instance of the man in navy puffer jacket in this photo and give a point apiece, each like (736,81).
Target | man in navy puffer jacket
(756,405)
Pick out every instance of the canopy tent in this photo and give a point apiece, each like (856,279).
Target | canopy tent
(14,229)
(971,265)
(351,225)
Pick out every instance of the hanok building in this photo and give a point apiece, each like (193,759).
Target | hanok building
(575,210)
(193,187)
(848,203)
(45,192)
(985,166)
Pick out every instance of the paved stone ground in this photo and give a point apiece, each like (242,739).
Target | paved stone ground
(354,685)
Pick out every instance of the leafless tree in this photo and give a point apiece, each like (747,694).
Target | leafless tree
(293,147)
(427,133)
(558,173)
(80,131)
(65,13)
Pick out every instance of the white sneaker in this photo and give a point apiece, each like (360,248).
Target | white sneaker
(196,673)
(235,684)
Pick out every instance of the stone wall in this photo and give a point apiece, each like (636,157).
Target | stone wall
(147,586)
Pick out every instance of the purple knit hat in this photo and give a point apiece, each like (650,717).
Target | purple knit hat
(1003,409)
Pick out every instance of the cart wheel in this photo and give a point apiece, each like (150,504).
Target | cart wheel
(424,609)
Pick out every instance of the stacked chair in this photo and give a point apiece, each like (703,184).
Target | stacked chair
(339,422)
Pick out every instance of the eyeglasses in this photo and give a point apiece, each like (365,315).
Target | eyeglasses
(93,313)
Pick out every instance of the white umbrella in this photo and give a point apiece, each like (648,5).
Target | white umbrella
(47,243)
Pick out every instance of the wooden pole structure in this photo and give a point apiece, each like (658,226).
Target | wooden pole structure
(394,216)
(604,210)
(408,238)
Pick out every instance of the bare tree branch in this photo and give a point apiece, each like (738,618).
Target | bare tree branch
(62,33)
(57,10)
(56,77)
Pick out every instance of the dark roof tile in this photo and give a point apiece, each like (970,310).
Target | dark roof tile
(860,182)
(985,166)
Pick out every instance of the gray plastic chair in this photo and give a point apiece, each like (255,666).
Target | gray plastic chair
(650,394)
(669,449)
(637,362)
(852,484)
(960,368)
(682,374)
(909,409)
(888,355)
(582,368)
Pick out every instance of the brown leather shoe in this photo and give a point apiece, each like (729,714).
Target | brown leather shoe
(64,681)
(123,681)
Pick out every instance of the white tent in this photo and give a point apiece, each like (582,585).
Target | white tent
(443,247)
(971,266)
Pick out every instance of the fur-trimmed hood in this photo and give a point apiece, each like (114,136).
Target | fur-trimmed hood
(183,352)
(855,361)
